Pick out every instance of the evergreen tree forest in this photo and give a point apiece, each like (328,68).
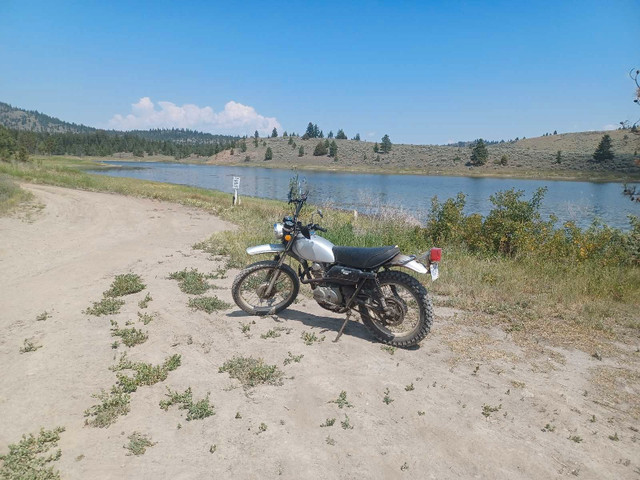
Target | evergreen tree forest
(178,143)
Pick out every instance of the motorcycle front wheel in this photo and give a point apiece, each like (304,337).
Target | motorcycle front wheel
(410,312)
(251,293)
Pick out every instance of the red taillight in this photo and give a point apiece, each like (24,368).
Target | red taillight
(435,255)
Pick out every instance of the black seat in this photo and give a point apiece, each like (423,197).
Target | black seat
(364,258)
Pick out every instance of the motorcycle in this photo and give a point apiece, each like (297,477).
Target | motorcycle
(392,304)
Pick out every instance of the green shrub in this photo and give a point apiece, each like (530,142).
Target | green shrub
(125,284)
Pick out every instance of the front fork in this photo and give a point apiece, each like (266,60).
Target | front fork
(280,260)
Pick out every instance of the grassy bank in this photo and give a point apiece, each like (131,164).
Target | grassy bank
(11,195)
(538,282)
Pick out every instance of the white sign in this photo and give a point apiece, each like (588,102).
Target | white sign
(236,183)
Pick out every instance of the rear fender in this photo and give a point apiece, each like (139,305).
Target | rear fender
(269,248)
(407,261)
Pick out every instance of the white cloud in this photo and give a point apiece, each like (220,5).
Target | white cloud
(610,126)
(235,118)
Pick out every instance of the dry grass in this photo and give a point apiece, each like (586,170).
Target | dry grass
(618,388)
(11,195)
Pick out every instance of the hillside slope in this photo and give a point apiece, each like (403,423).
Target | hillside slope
(528,155)
(34,121)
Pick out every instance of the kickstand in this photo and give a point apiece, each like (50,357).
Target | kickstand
(346,320)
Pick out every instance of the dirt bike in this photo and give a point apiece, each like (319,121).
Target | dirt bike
(393,305)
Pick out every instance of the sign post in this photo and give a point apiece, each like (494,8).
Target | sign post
(236,187)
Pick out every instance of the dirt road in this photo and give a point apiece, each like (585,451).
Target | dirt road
(467,404)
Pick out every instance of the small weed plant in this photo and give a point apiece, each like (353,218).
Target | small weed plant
(126,284)
(346,423)
(106,306)
(487,410)
(28,459)
(342,401)
(29,346)
(145,318)
(251,371)
(191,281)
(195,410)
(129,336)
(389,349)
(43,316)
(311,338)
(144,373)
(144,303)
(208,304)
(328,422)
(110,406)
(387,398)
(292,358)
(138,444)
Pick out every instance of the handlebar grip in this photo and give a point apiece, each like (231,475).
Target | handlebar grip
(320,229)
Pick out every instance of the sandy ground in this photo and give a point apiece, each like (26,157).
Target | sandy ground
(65,256)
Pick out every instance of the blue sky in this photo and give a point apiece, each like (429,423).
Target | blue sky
(423,72)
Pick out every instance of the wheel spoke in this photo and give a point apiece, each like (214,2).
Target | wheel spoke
(253,289)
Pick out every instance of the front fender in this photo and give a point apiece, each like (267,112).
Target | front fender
(262,249)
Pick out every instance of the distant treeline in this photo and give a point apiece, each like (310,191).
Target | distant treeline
(177,143)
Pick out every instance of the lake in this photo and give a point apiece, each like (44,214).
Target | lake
(581,202)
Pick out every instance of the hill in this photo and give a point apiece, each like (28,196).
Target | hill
(34,121)
(22,120)
(528,157)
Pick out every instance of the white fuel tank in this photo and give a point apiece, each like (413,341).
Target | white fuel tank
(316,249)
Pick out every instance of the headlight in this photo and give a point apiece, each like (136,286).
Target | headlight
(277,230)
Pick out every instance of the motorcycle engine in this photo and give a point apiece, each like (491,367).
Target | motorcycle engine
(327,295)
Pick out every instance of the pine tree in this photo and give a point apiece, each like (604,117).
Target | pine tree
(268,155)
(316,131)
(376,149)
(320,149)
(333,149)
(284,134)
(603,152)
(256,134)
(340,135)
(559,156)
(23,155)
(274,133)
(310,133)
(385,146)
(479,154)
(357,137)
(301,151)
(330,134)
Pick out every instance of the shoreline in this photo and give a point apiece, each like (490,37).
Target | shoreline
(562,175)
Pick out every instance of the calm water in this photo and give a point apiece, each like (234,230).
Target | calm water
(581,202)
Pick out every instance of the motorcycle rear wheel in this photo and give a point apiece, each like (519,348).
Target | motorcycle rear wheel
(249,287)
(412,311)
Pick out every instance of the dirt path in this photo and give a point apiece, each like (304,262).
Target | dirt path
(467,404)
